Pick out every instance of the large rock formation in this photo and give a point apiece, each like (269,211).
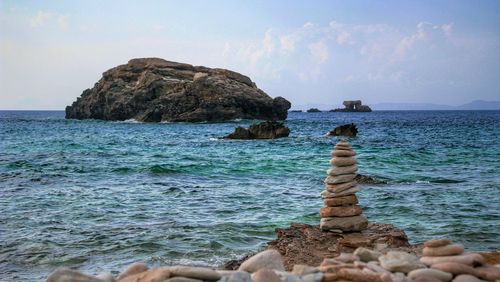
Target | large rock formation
(154,90)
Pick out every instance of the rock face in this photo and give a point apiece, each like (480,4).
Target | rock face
(349,130)
(353,106)
(307,244)
(264,130)
(153,90)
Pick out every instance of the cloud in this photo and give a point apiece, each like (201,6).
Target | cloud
(43,18)
(319,51)
(408,41)
(40,19)
(447,28)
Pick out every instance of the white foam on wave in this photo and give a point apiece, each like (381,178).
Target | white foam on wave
(423,182)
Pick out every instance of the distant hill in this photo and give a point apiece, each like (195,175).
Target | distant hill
(480,105)
(474,105)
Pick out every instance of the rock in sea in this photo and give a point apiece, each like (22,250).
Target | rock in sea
(263,130)
(154,90)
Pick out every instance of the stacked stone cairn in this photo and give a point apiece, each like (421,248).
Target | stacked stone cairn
(342,212)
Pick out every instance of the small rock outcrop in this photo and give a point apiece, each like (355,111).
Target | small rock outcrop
(342,212)
(154,90)
(309,245)
(313,110)
(353,106)
(263,130)
(349,130)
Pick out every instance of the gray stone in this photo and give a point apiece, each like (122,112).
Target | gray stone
(106,276)
(236,276)
(397,261)
(267,259)
(340,179)
(367,255)
(287,276)
(312,277)
(182,279)
(334,171)
(68,275)
(265,275)
(195,272)
(302,269)
(350,191)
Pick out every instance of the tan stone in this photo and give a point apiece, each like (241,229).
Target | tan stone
(347,258)
(69,275)
(468,259)
(132,269)
(152,275)
(454,268)
(433,273)
(338,161)
(350,191)
(341,201)
(340,211)
(337,188)
(467,278)
(398,261)
(437,243)
(354,223)
(488,272)
(344,178)
(342,170)
(359,275)
(201,273)
(448,250)
(343,153)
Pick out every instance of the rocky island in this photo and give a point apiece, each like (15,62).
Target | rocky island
(353,106)
(154,90)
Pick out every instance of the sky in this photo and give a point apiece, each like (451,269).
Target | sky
(310,52)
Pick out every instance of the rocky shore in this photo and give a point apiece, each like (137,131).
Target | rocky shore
(304,253)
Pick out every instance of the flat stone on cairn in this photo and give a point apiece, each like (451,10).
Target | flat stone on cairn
(342,212)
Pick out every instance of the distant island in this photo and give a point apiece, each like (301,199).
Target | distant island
(154,90)
(353,106)
(313,110)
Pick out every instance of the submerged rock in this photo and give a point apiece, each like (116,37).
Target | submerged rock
(349,130)
(153,90)
(264,130)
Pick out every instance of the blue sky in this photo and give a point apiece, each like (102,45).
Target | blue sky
(322,52)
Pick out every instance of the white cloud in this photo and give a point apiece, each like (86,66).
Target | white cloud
(408,41)
(40,19)
(343,37)
(319,51)
(43,17)
(447,28)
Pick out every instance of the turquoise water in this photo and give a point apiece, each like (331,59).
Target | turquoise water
(96,195)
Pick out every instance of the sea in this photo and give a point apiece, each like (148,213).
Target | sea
(98,195)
